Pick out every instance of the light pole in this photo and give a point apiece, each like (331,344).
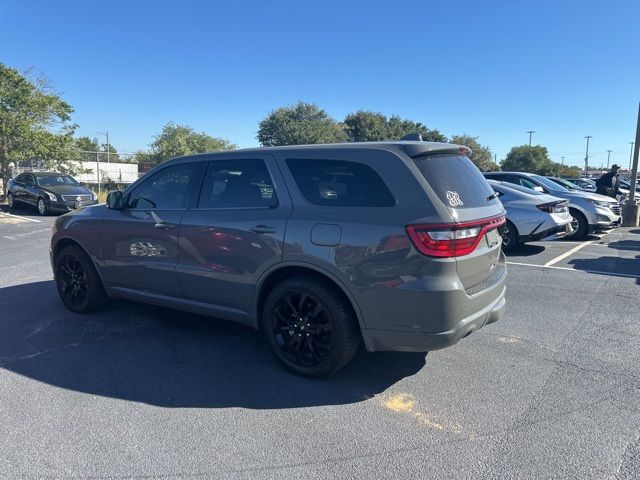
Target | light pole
(563,160)
(106,134)
(608,157)
(586,157)
(530,132)
(631,154)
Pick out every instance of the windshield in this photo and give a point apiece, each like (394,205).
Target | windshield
(55,180)
(564,183)
(549,184)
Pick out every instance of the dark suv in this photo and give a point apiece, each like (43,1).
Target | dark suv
(395,244)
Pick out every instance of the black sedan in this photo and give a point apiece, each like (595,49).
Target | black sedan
(48,192)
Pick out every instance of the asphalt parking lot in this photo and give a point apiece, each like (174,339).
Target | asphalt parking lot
(551,391)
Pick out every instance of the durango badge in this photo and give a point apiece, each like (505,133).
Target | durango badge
(454,199)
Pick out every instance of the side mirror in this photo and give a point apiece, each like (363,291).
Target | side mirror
(115,200)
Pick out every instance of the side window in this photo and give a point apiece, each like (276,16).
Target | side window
(527,183)
(29,180)
(241,183)
(167,189)
(20,178)
(341,183)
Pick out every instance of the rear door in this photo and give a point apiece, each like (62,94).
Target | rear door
(140,242)
(235,232)
(460,186)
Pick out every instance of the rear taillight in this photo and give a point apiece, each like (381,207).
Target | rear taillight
(451,240)
(554,207)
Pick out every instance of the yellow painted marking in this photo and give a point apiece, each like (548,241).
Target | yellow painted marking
(402,402)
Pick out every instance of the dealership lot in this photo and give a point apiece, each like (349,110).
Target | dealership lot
(551,391)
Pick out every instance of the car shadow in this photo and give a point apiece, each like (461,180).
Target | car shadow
(172,359)
(525,250)
(633,245)
(614,266)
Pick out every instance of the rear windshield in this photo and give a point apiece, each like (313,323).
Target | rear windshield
(456,181)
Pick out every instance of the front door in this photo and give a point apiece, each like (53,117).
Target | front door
(140,242)
(235,231)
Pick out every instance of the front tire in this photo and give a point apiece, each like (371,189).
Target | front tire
(78,283)
(579,224)
(42,207)
(510,237)
(310,326)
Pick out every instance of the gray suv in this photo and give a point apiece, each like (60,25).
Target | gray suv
(320,247)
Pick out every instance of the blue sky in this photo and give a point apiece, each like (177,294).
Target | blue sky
(493,69)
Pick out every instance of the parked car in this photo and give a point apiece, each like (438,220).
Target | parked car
(591,212)
(393,244)
(531,215)
(49,192)
(583,183)
(627,185)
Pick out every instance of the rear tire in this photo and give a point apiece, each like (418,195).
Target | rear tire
(310,326)
(78,283)
(510,237)
(579,224)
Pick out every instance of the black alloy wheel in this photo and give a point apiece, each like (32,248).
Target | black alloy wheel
(510,237)
(79,286)
(310,326)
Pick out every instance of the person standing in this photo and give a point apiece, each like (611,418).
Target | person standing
(609,183)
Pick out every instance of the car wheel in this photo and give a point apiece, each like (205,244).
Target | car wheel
(310,326)
(10,201)
(42,207)
(579,224)
(78,283)
(510,237)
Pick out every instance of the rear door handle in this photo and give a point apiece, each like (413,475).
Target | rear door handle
(164,226)
(263,229)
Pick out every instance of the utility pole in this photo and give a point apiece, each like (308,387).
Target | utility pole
(586,157)
(562,160)
(98,169)
(106,134)
(608,158)
(530,132)
(631,155)
(630,209)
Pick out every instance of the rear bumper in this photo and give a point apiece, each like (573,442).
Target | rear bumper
(417,341)
(553,233)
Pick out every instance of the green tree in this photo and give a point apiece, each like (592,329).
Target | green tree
(481,155)
(366,126)
(399,127)
(35,122)
(528,158)
(302,123)
(87,148)
(177,140)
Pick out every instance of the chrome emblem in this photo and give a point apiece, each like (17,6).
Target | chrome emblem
(454,199)
(78,198)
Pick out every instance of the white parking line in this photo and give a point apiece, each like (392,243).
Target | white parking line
(567,254)
(21,218)
(597,272)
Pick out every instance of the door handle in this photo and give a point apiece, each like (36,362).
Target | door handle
(164,226)
(263,229)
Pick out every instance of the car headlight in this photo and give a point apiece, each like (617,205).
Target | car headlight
(598,203)
(51,196)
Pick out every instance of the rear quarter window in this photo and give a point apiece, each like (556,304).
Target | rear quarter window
(456,180)
(340,183)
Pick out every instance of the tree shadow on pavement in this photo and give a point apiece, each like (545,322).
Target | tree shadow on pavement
(166,358)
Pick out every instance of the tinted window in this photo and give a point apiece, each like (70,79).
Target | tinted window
(340,183)
(237,184)
(166,189)
(456,180)
(548,183)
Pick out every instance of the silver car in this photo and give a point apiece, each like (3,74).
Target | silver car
(591,212)
(531,215)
